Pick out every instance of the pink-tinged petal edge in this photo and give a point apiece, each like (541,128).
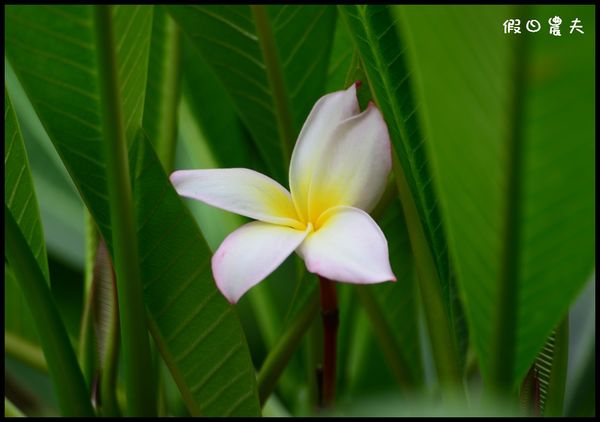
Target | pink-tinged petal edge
(348,247)
(250,253)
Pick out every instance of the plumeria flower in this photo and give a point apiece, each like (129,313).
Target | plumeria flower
(338,172)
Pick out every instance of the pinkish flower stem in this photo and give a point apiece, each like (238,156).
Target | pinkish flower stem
(330,315)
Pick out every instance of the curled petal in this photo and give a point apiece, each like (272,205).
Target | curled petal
(250,254)
(355,165)
(242,191)
(314,138)
(348,246)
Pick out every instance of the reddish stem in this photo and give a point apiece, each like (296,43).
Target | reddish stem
(330,315)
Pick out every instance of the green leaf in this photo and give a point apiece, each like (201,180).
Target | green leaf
(26,352)
(76,81)
(389,405)
(213,112)
(162,90)
(385,303)
(392,307)
(273,62)
(139,378)
(53,53)
(196,330)
(61,208)
(68,381)
(469,88)
(207,117)
(383,57)
(194,151)
(342,58)
(201,148)
(20,197)
(283,349)
(363,367)
(10,410)
(21,340)
(88,358)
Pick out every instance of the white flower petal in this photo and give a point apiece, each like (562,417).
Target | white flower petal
(250,254)
(349,247)
(355,165)
(242,191)
(314,138)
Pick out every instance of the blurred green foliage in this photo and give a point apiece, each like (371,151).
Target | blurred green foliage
(494,133)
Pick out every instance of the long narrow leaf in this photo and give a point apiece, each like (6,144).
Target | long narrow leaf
(272,61)
(392,308)
(20,196)
(139,379)
(468,89)
(162,91)
(383,57)
(196,330)
(68,381)
(213,112)
(53,52)
(61,208)
(54,59)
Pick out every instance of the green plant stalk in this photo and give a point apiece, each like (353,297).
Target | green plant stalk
(265,313)
(161,403)
(282,351)
(91,246)
(69,385)
(161,391)
(390,348)
(12,411)
(25,352)
(504,317)
(108,380)
(348,300)
(558,375)
(357,355)
(443,346)
(136,348)
(386,200)
(313,359)
(108,387)
(164,71)
(275,74)
(86,341)
(186,394)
